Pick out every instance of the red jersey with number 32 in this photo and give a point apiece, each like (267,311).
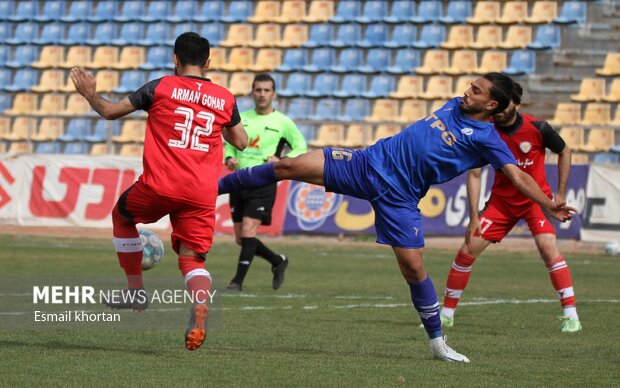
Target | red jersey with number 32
(183,148)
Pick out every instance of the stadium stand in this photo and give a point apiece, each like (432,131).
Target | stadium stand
(590,90)
(611,66)
(485,12)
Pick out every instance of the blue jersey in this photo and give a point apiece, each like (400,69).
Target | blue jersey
(436,149)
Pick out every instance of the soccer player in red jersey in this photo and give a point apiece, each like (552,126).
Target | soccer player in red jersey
(183,152)
(527,137)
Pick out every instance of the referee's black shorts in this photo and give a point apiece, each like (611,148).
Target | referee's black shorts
(255,204)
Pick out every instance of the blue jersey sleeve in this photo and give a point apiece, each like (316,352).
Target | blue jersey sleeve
(495,151)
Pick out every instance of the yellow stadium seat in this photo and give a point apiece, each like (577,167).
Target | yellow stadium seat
(266,36)
(543,12)
(267,59)
(19,147)
(99,149)
(357,135)
(573,137)
(596,114)
(132,131)
(293,11)
(23,104)
(600,140)
(130,58)
(485,12)
(240,58)
(265,12)
(49,129)
(385,130)
(104,57)
(611,66)
(439,88)
(591,89)
(5,126)
(435,62)
(492,61)
(294,36)
(579,158)
(21,129)
(614,91)
(76,106)
(409,86)
(51,104)
(487,37)
(459,37)
(51,56)
(217,58)
(107,80)
(133,150)
(463,62)
(517,37)
(320,11)
(412,110)
(514,12)
(462,84)
(566,113)
(238,35)
(383,110)
(329,134)
(436,104)
(219,78)
(50,81)
(241,83)
(77,56)
(2,148)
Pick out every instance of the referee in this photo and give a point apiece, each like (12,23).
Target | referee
(268,132)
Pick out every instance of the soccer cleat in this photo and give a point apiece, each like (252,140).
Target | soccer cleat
(441,351)
(132,298)
(197,329)
(278,273)
(570,325)
(445,322)
(232,286)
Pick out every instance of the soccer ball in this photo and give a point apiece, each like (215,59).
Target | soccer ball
(153,249)
(612,248)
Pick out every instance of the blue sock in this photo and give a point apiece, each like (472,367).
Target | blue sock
(425,301)
(248,178)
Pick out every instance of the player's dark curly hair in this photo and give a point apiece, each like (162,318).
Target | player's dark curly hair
(192,49)
(502,91)
(262,78)
(517,93)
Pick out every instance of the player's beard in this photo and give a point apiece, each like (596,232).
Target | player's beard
(505,117)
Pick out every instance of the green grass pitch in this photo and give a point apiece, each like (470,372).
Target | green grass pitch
(343,317)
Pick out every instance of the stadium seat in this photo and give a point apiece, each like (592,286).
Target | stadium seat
(377,61)
(297,84)
(267,59)
(459,37)
(79,11)
(104,34)
(26,10)
(435,61)
(439,87)
(213,31)
(355,109)
(241,83)
(99,149)
(573,136)
(409,86)
(572,12)
(353,85)
(23,56)
(614,91)
(462,84)
(517,37)
(324,85)
(373,12)
(294,60)
(48,147)
(346,11)
(130,11)
(357,135)
(6,9)
(411,111)
(380,86)
(156,74)
(328,135)
(591,89)
(132,131)
(596,114)
(600,140)
(52,33)
(292,11)
(401,12)
(611,67)
(158,57)
(131,80)
(463,62)
(21,129)
(436,105)
(240,58)
(77,130)
(294,35)
(77,34)
(6,77)
(349,60)
(107,80)
(50,81)
(566,113)
(210,11)
(25,33)
(514,12)
(23,81)
(76,149)
(383,110)
(385,130)
(428,12)
(6,100)
(218,58)
(23,104)
(543,12)
(104,130)
(5,52)
(155,12)
(218,78)
(402,36)
(346,35)
(238,35)
(49,129)
(130,58)
(76,106)
(547,37)
(375,35)
(266,11)
(485,12)
(131,150)
(457,12)
(320,11)
(431,36)
(266,36)
(19,147)
(50,56)
(487,37)
(521,62)
(130,34)
(492,61)
(238,11)
(606,157)
(327,109)
(298,108)
(50,105)
(322,60)
(5,128)
(405,62)
(320,35)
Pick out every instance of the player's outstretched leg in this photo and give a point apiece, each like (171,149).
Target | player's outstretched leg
(198,283)
(563,284)
(248,178)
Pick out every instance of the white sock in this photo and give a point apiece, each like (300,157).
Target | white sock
(447,312)
(571,312)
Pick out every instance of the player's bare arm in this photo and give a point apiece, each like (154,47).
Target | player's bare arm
(564,162)
(236,136)
(473,198)
(86,85)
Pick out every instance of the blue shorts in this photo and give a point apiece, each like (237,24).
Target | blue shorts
(397,220)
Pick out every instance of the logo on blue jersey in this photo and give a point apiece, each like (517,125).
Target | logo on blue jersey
(467,131)
(311,205)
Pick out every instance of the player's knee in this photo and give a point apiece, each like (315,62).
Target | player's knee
(119,219)
(284,168)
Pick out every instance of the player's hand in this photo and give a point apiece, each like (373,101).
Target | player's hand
(562,212)
(472,227)
(272,159)
(84,81)
(231,164)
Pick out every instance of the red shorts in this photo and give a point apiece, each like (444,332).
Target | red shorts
(192,225)
(499,217)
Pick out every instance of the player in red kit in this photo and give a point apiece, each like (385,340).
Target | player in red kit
(527,137)
(183,152)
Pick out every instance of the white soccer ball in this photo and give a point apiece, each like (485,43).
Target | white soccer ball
(612,248)
(153,249)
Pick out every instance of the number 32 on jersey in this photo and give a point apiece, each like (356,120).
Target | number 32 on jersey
(191,136)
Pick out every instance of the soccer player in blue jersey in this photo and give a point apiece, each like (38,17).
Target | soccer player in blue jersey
(396,172)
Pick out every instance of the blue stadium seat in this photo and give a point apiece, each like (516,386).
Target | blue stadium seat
(299,108)
(23,57)
(375,35)
(430,36)
(158,57)
(238,11)
(521,62)
(327,109)
(214,32)
(52,11)
(402,36)
(320,35)
(6,9)
(6,31)
(380,86)
(322,60)
(324,85)
(349,60)
(103,34)
(297,84)
(48,147)
(4,55)
(428,12)
(25,33)
(572,12)
(77,130)
(346,11)
(156,34)
(158,74)
(405,62)
(346,35)
(105,11)
(130,11)
(377,60)
(6,78)
(129,35)
(307,130)
(353,85)
(606,157)
(402,12)
(184,11)
(23,81)
(457,13)
(104,130)
(615,148)
(245,103)
(178,30)
(373,12)
(294,60)
(547,37)
(79,11)
(6,100)
(211,11)
(157,11)
(355,109)
(130,81)
(76,149)
(26,10)
(52,33)
(76,35)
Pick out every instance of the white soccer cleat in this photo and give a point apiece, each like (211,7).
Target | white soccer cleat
(441,351)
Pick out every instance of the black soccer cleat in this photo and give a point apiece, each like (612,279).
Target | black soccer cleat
(278,273)
(134,298)
(232,286)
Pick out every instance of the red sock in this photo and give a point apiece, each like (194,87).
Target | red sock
(457,279)
(562,281)
(128,248)
(197,278)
